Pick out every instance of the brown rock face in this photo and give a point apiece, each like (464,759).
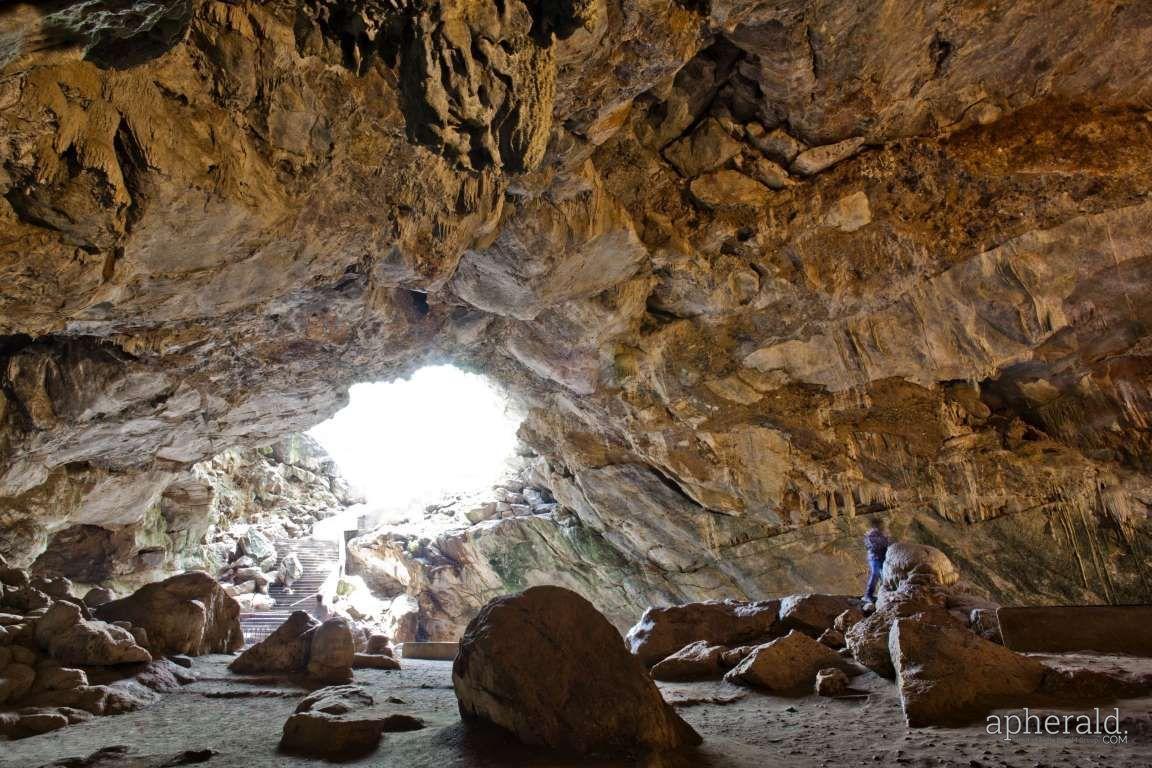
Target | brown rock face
(755,271)
(186,614)
(545,665)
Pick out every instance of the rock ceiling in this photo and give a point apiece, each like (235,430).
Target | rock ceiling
(754,269)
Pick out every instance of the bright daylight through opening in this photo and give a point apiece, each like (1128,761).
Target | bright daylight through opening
(405,444)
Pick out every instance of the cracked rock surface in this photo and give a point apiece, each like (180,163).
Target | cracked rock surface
(756,271)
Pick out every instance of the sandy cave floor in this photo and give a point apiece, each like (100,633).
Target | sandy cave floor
(241,718)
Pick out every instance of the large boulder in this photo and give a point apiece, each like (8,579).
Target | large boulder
(70,639)
(186,614)
(867,640)
(663,631)
(696,661)
(919,563)
(285,650)
(342,722)
(786,665)
(333,651)
(814,614)
(547,666)
(948,675)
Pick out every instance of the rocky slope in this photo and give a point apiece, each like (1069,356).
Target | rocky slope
(280,490)
(756,271)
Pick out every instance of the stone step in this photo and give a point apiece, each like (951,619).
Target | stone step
(319,560)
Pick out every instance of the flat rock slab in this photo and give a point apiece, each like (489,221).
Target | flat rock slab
(1062,629)
(438,651)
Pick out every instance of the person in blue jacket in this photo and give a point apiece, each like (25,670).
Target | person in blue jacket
(877,545)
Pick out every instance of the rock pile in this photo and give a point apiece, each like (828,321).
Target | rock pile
(768,644)
(923,631)
(343,722)
(59,665)
(548,667)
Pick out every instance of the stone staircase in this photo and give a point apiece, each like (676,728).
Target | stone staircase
(320,559)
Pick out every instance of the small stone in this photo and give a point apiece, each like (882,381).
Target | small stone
(813,161)
(776,145)
(705,149)
(831,682)
(833,638)
(849,213)
(729,188)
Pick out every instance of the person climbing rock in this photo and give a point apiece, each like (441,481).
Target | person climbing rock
(877,545)
(291,569)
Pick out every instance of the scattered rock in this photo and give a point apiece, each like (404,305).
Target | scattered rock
(787,664)
(341,722)
(119,757)
(697,661)
(663,631)
(831,682)
(540,663)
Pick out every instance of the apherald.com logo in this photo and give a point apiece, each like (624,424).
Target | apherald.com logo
(1106,727)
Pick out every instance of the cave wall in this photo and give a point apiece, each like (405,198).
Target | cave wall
(757,272)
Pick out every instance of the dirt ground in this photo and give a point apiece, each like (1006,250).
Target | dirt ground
(241,719)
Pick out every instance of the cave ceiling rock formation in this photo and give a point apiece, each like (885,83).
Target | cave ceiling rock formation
(752,269)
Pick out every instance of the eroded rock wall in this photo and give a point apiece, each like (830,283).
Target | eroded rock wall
(756,271)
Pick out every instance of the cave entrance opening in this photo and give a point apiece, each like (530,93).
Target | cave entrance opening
(413,446)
